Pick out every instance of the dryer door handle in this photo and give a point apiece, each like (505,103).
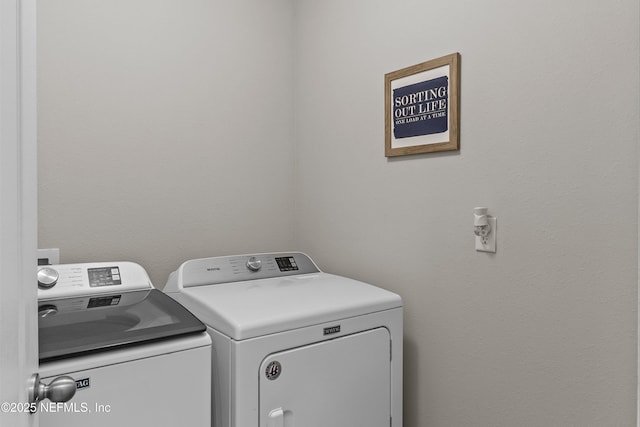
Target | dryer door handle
(276,418)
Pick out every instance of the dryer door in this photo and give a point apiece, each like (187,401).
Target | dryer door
(343,382)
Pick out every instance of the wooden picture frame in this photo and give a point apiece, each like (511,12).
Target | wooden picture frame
(422,107)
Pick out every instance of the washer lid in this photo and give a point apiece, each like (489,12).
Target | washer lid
(71,327)
(249,309)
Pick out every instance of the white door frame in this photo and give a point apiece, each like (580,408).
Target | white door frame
(18,209)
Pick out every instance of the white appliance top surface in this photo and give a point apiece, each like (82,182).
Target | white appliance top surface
(253,308)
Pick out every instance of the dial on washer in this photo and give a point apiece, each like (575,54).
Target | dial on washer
(47,278)
(254,264)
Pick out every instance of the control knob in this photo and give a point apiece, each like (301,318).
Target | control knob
(254,264)
(47,278)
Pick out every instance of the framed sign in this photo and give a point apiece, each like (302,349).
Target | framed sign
(422,107)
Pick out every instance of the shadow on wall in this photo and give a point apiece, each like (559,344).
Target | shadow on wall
(411,368)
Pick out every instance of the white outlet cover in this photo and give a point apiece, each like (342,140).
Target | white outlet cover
(491,238)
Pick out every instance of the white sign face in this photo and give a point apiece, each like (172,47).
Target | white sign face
(421,108)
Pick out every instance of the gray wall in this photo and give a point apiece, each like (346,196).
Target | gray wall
(164,129)
(543,333)
(177,129)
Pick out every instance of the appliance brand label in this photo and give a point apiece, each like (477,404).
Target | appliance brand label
(83,383)
(332,330)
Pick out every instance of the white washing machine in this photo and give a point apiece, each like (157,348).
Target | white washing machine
(293,346)
(137,357)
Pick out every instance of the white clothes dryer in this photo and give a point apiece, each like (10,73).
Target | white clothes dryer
(293,346)
(137,357)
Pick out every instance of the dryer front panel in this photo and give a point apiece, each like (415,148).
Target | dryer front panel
(343,382)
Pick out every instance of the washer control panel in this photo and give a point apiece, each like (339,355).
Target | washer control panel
(70,280)
(218,270)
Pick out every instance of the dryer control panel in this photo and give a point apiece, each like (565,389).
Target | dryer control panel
(229,269)
(71,280)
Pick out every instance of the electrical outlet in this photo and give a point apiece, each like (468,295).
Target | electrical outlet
(48,256)
(490,245)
